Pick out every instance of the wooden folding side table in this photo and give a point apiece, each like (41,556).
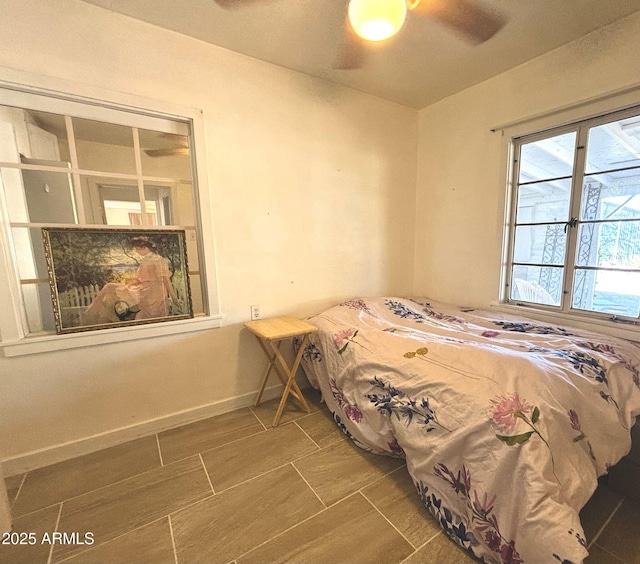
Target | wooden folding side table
(270,334)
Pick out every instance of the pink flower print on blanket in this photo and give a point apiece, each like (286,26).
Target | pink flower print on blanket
(507,410)
(343,338)
(505,413)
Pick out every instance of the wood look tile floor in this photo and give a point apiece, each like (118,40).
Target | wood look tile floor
(233,490)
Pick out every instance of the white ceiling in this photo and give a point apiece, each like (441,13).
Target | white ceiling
(422,64)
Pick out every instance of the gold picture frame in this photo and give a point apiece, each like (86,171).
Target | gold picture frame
(106,278)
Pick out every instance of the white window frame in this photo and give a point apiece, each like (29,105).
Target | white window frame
(108,107)
(604,108)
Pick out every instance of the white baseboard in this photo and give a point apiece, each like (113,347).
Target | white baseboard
(58,453)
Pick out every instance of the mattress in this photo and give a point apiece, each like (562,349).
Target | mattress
(505,423)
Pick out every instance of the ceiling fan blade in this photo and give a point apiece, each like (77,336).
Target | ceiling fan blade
(465,17)
(352,53)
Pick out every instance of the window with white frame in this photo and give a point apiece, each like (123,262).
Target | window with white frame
(74,163)
(574,242)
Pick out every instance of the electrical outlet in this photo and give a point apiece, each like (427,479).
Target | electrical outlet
(255,312)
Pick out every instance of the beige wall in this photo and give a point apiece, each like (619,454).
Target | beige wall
(462,164)
(313,197)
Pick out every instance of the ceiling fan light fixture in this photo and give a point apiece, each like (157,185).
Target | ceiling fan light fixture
(377,20)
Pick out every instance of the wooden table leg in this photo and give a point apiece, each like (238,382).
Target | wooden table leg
(272,365)
(291,383)
(298,393)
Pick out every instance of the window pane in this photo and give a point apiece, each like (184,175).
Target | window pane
(113,201)
(543,244)
(49,197)
(37,196)
(30,257)
(196,293)
(544,201)
(108,201)
(38,307)
(547,158)
(11,182)
(159,205)
(611,196)
(48,138)
(535,284)
(93,195)
(614,145)
(613,244)
(118,212)
(183,210)
(609,291)
(104,147)
(165,155)
(35,135)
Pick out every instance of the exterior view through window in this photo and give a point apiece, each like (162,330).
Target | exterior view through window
(575,221)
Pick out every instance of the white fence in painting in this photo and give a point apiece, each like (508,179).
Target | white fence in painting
(73,302)
(78,297)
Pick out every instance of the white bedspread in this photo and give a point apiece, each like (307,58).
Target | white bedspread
(505,424)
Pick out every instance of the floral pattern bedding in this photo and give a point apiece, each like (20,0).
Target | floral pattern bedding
(505,423)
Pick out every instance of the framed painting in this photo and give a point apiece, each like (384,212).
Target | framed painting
(105,278)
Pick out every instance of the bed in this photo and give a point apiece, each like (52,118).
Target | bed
(505,423)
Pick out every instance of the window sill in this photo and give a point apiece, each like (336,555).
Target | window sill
(604,326)
(48,343)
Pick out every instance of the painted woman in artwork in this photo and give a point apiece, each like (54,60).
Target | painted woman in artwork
(145,297)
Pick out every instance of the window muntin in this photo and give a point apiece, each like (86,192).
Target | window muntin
(36,144)
(575,227)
